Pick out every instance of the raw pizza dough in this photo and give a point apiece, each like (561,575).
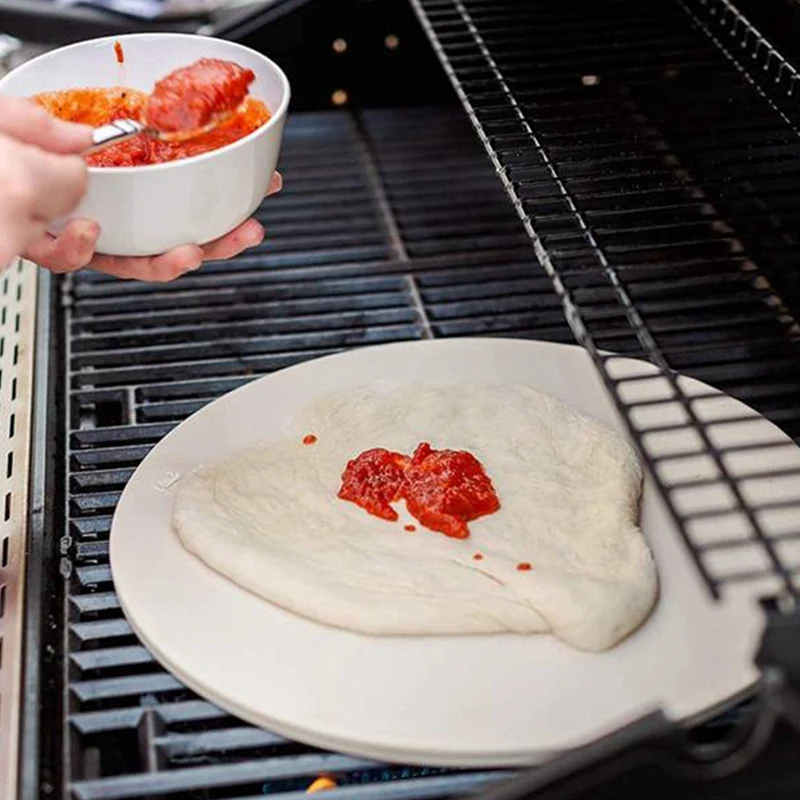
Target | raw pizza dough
(269,519)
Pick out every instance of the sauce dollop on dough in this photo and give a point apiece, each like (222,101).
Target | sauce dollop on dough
(443,489)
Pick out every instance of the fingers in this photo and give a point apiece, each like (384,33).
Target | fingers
(159,269)
(26,122)
(248,235)
(275,184)
(188,258)
(72,250)
(57,183)
(42,176)
(37,186)
(181,260)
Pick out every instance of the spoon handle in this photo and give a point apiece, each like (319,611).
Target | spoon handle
(117,131)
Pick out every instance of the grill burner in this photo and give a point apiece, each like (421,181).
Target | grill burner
(394,226)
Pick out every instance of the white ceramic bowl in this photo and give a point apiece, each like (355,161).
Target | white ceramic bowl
(148,210)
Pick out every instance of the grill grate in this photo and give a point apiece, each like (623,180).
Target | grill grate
(393,226)
(370,241)
(132,729)
(659,152)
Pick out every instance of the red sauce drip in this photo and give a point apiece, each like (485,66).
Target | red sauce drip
(191,97)
(310,439)
(443,489)
(119,52)
(478,557)
(411,528)
(100,106)
(524,566)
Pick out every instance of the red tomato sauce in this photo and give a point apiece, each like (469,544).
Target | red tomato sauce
(448,488)
(193,96)
(374,481)
(100,106)
(310,439)
(443,489)
(119,52)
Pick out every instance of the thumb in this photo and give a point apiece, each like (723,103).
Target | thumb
(26,122)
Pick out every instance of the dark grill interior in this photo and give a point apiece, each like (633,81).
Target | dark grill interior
(393,225)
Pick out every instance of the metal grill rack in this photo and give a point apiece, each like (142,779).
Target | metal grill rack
(661,150)
(393,225)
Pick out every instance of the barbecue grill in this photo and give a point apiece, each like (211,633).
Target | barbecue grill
(641,195)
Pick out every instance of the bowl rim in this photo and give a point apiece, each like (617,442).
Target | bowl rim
(275,116)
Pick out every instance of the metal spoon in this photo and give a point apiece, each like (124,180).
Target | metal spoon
(122,129)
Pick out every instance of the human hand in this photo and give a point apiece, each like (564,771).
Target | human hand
(42,175)
(74,249)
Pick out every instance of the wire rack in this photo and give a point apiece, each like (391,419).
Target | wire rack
(547,86)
